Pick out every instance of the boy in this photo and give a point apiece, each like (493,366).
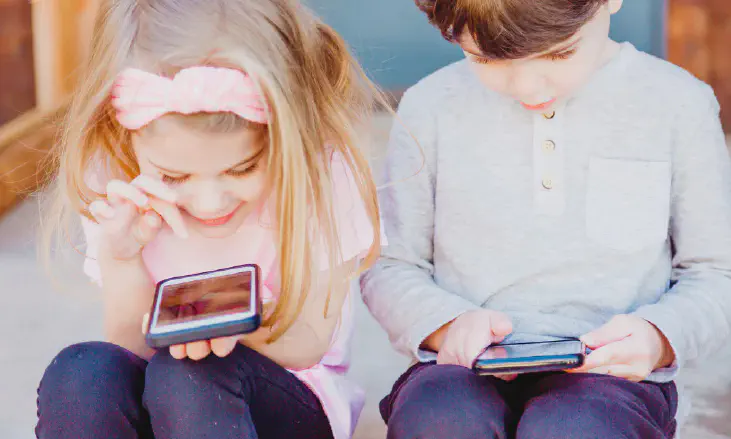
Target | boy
(572,187)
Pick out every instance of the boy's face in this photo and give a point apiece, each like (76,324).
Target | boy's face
(537,82)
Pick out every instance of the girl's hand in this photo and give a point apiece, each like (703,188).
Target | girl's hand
(133,214)
(469,334)
(198,350)
(627,347)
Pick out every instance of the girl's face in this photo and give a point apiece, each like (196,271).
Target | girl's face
(537,82)
(220,178)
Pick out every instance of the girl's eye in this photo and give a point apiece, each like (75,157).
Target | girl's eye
(174,180)
(562,55)
(243,172)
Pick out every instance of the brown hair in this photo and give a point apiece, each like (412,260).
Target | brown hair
(510,29)
(320,99)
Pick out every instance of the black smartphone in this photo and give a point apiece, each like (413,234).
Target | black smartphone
(548,356)
(205,305)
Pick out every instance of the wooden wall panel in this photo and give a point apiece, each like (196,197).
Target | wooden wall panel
(699,39)
(17,85)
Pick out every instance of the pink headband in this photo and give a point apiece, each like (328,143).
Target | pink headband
(141,97)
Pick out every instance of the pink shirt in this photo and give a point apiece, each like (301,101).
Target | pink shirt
(168,256)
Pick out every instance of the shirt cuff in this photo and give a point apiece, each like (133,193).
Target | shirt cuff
(429,324)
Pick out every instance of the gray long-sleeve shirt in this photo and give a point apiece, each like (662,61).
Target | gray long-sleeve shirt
(620,203)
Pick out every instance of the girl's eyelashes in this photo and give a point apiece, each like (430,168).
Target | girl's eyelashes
(169,179)
(243,171)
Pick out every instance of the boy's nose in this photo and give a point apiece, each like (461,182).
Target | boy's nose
(527,85)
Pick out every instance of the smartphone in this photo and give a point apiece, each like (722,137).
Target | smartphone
(205,305)
(548,356)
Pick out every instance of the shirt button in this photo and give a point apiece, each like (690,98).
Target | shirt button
(550,115)
(549,146)
(547,183)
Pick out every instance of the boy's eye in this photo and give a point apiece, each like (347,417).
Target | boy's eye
(561,55)
(481,60)
(169,179)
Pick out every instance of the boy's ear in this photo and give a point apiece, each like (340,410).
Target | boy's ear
(615,6)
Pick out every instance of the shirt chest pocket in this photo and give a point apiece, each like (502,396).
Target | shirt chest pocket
(628,203)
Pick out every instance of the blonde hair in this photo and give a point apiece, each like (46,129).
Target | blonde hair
(319,99)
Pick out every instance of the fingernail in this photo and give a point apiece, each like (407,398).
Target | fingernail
(153,221)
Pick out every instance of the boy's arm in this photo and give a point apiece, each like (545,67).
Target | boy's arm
(694,315)
(400,290)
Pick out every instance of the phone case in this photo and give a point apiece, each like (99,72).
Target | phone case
(206,332)
(548,363)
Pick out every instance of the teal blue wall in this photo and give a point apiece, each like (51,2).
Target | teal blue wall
(397,46)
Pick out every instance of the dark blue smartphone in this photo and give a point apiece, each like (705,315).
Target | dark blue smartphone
(533,357)
(205,305)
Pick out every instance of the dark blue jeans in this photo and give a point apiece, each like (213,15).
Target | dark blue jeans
(437,401)
(99,390)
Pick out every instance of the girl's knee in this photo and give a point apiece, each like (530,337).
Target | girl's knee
(90,380)
(79,369)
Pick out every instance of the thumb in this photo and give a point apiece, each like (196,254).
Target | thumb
(614,330)
(145,322)
(500,325)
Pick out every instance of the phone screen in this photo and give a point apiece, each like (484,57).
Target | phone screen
(210,297)
(525,350)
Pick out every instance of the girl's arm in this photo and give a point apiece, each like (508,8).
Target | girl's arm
(128,295)
(309,338)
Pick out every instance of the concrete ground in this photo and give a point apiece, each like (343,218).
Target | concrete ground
(42,315)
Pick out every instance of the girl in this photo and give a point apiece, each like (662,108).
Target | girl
(206,135)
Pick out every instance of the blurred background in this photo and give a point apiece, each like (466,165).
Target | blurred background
(42,44)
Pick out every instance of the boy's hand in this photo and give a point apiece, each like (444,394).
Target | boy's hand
(627,347)
(466,337)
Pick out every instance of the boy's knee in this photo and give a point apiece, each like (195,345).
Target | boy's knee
(599,406)
(446,401)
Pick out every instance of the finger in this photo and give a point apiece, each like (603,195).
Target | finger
(613,353)
(198,350)
(145,322)
(178,351)
(628,372)
(156,188)
(615,330)
(118,191)
(473,348)
(507,377)
(101,211)
(224,345)
(147,227)
(172,216)
(447,357)
(500,325)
